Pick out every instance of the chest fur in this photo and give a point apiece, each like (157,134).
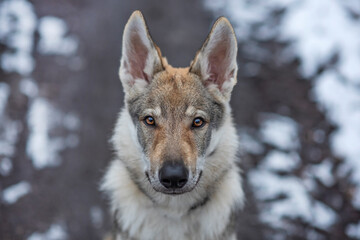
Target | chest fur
(154,222)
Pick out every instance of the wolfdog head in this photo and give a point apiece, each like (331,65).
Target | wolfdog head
(175,111)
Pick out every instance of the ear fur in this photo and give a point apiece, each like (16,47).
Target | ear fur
(141,58)
(216,63)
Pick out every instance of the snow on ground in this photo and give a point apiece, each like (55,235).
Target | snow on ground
(8,133)
(8,136)
(279,131)
(342,101)
(280,161)
(53,38)
(28,87)
(18,24)
(318,30)
(42,151)
(9,130)
(5,166)
(43,148)
(321,28)
(17,28)
(353,230)
(13,193)
(55,232)
(323,172)
(288,190)
(248,143)
(294,203)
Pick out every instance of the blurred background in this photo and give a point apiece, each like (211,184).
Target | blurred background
(296,105)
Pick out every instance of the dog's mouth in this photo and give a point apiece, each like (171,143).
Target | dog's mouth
(157,186)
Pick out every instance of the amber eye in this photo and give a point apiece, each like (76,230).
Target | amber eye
(198,122)
(149,121)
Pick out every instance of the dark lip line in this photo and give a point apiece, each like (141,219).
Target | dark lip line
(200,174)
(147,176)
(172,193)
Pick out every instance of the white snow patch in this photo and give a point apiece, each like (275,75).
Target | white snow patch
(353,230)
(42,147)
(17,26)
(342,103)
(269,185)
(321,28)
(323,216)
(53,39)
(55,232)
(13,193)
(20,62)
(28,87)
(249,144)
(298,202)
(323,172)
(5,166)
(280,161)
(9,130)
(245,13)
(8,136)
(279,131)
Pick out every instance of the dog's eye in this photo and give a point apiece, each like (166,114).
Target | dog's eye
(198,122)
(149,121)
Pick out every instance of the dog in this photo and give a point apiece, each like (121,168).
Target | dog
(175,173)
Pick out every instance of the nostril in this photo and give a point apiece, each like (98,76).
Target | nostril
(181,183)
(166,182)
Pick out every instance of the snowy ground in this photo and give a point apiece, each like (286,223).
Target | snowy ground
(297,106)
(18,25)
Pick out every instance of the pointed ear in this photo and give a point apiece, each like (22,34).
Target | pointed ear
(215,63)
(141,58)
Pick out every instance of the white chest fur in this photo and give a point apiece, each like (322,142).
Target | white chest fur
(141,218)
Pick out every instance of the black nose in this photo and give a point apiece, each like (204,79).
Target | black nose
(173,175)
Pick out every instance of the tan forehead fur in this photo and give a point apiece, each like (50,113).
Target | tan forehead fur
(172,71)
(176,86)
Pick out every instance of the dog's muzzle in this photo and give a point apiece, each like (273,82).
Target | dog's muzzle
(173,175)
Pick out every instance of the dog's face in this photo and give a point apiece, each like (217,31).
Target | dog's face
(176,110)
(175,117)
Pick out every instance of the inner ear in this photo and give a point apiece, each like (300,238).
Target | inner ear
(215,63)
(218,64)
(137,57)
(141,58)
